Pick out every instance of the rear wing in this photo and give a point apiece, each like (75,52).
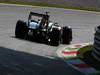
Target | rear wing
(45,17)
(38,14)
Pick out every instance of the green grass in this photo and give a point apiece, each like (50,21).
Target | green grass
(83,50)
(49,5)
(85,55)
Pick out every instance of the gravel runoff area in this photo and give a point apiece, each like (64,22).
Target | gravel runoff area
(21,57)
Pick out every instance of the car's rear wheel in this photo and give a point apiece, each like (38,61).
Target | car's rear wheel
(55,37)
(66,35)
(21,29)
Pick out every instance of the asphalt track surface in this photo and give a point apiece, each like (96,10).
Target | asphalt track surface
(22,57)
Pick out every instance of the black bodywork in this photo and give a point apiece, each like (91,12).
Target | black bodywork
(53,35)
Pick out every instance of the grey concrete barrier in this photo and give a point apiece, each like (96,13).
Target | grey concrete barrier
(96,48)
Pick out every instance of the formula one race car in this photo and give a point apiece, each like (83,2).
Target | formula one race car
(40,28)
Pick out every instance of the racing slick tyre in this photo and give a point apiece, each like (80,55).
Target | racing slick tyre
(55,37)
(21,30)
(66,35)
